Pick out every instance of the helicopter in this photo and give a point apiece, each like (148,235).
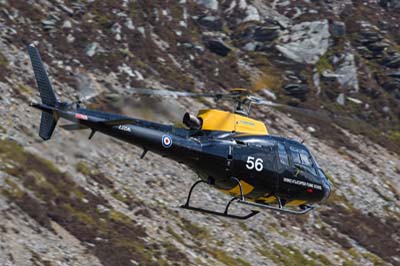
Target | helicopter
(229,151)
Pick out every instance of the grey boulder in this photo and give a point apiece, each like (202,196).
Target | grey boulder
(218,46)
(306,42)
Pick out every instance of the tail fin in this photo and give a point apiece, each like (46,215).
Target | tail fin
(47,125)
(48,122)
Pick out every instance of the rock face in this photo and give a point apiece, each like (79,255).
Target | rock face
(255,37)
(375,47)
(390,4)
(347,72)
(306,42)
(341,99)
(338,29)
(71,201)
(211,4)
(265,34)
(91,49)
(392,61)
(296,90)
(211,23)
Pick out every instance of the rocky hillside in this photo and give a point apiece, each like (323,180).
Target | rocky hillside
(71,201)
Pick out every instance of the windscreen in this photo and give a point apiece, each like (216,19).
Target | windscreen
(302,158)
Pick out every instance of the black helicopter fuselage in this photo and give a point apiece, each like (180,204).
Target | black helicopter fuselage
(266,165)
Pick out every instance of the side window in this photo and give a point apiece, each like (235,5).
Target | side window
(295,156)
(283,156)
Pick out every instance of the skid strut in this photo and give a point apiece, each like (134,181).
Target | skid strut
(225,213)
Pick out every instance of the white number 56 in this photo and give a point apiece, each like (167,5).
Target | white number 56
(256,163)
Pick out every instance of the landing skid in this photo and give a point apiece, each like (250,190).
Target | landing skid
(223,214)
(280,207)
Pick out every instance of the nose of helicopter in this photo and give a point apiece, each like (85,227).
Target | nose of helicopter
(326,188)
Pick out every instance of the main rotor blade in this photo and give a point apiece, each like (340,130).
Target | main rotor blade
(230,95)
(144,91)
(261,101)
(235,95)
(317,114)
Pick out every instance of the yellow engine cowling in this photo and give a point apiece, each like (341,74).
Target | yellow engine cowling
(229,122)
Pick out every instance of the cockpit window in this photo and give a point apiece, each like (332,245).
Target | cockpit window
(322,174)
(283,156)
(303,158)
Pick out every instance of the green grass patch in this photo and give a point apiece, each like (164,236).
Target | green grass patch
(395,137)
(354,253)
(81,216)
(175,235)
(13,191)
(225,258)
(373,258)
(348,263)
(119,196)
(11,152)
(323,63)
(83,168)
(174,254)
(195,230)
(92,173)
(102,19)
(319,258)
(3,61)
(353,180)
(25,89)
(270,77)
(119,217)
(286,256)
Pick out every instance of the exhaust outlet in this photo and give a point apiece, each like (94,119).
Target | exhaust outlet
(192,121)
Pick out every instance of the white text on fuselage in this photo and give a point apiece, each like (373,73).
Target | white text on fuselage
(301,183)
(124,128)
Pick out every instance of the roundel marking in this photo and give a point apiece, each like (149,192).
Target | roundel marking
(166,141)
